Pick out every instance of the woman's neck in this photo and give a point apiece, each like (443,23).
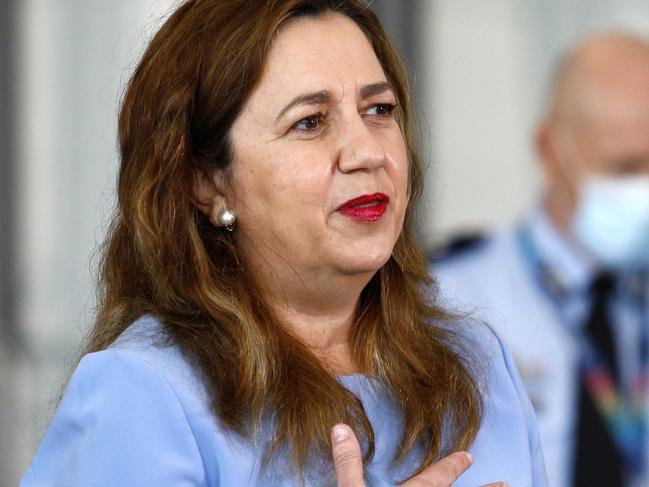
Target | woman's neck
(320,313)
(327,334)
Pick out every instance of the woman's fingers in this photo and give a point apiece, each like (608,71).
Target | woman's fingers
(348,463)
(346,453)
(442,473)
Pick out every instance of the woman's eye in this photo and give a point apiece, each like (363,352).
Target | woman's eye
(309,124)
(381,110)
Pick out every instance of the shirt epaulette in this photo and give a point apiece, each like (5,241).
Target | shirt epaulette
(457,245)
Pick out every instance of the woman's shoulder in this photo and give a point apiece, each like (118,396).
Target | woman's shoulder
(122,413)
(144,353)
(474,339)
(144,336)
(509,429)
(140,361)
(486,352)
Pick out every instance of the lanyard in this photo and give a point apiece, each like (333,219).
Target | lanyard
(624,414)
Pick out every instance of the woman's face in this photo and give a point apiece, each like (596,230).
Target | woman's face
(319,175)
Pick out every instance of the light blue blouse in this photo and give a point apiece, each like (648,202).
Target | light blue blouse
(137,414)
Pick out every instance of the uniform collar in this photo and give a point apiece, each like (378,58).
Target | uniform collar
(563,261)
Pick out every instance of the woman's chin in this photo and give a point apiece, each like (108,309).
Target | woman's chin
(364,263)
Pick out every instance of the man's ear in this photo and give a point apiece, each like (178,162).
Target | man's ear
(544,145)
(550,153)
(209,191)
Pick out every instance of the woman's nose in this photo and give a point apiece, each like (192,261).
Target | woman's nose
(361,148)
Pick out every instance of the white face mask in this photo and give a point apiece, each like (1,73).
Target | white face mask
(612,220)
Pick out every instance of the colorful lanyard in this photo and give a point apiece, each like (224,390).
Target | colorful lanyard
(625,415)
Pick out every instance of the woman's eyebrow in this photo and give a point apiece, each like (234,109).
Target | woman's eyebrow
(324,96)
(374,89)
(306,99)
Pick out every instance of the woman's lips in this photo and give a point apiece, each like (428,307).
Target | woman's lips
(366,208)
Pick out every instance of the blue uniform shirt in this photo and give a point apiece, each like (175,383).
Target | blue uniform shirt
(136,414)
(540,318)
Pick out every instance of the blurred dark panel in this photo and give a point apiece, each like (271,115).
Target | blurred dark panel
(7,158)
(7,234)
(405,23)
(402,20)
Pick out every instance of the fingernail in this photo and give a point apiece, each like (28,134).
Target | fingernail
(469,457)
(340,433)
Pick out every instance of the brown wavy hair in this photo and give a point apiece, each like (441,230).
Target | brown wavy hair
(163,257)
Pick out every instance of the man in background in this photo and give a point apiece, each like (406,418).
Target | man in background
(568,287)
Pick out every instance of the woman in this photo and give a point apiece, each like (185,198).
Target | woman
(261,283)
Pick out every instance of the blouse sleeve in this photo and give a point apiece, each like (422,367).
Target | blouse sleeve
(119,423)
(536,453)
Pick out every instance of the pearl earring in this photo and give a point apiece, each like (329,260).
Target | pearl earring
(226,218)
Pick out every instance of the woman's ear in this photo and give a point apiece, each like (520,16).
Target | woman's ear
(209,191)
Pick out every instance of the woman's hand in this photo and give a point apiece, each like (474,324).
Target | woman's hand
(349,464)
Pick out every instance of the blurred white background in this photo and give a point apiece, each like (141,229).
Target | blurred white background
(481,68)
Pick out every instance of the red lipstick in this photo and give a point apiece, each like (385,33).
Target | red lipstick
(367,208)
